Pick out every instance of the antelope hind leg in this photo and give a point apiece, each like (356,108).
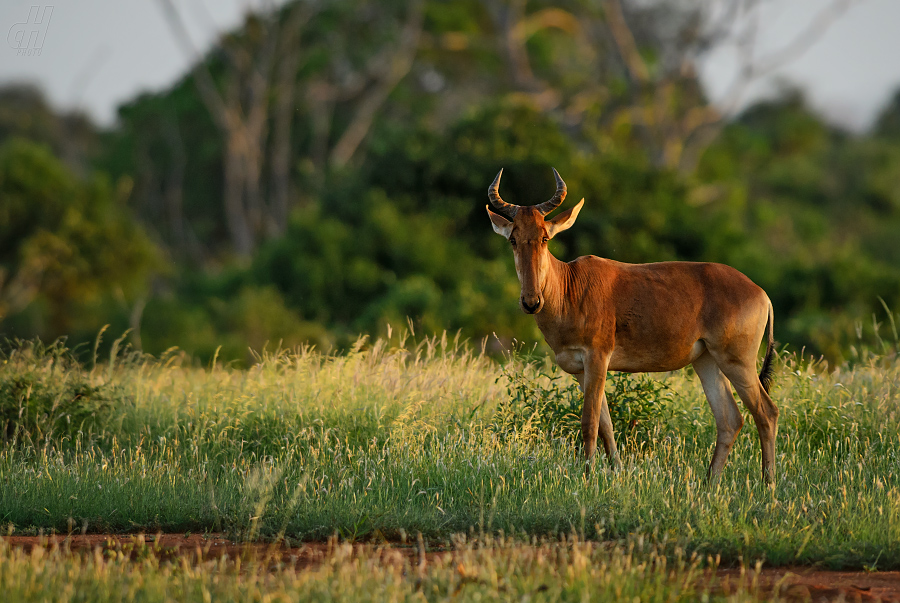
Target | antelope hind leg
(721,401)
(761,407)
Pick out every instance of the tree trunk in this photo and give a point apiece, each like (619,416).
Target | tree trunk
(235,215)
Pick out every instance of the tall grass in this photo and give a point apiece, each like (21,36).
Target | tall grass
(390,440)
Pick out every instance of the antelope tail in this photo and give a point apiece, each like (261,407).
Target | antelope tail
(767,373)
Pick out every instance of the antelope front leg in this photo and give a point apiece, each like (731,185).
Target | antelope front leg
(595,419)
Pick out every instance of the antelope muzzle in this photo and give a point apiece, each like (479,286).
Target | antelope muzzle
(531,304)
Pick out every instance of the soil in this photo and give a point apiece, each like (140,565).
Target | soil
(810,584)
(790,583)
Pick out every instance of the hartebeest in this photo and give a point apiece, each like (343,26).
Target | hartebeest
(598,315)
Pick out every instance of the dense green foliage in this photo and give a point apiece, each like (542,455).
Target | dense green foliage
(403,438)
(549,401)
(353,199)
(66,245)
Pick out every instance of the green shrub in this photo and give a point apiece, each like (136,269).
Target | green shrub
(635,403)
(538,401)
(546,400)
(45,392)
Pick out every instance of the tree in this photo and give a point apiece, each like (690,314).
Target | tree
(63,240)
(243,91)
(25,113)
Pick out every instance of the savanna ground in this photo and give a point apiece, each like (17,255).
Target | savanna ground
(400,471)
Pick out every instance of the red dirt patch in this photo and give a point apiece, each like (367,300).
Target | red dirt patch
(792,583)
(808,584)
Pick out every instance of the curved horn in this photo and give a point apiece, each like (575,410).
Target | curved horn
(494,195)
(556,200)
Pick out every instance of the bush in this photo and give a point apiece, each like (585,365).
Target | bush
(635,403)
(539,401)
(546,400)
(45,392)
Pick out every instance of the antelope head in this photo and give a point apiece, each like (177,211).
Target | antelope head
(528,232)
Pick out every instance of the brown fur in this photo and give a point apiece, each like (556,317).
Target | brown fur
(598,315)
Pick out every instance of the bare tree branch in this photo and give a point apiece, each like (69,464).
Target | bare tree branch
(625,41)
(674,132)
(229,123)
(204,80)
(702,125)
(285,92)
(400,64)
(523,75)
(807,38)
(241,112)
(751,69)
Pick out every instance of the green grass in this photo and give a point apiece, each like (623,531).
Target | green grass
(386,441)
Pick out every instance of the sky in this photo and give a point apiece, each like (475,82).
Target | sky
(97,54)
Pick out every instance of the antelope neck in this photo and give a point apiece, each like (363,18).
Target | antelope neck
(555,287)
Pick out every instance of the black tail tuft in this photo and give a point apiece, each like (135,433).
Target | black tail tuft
(767,373)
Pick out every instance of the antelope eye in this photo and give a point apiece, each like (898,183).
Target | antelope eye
(546,240)
(513,241)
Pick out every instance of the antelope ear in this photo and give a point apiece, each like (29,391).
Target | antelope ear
(564,220)
(501,225)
